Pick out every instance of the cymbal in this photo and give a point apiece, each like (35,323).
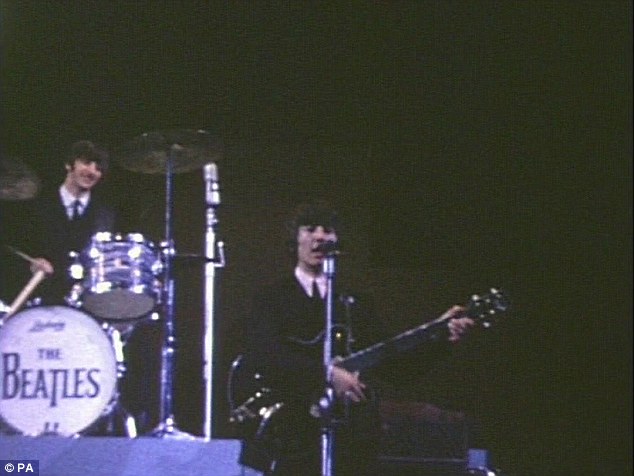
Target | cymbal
(17,180)
(188,149)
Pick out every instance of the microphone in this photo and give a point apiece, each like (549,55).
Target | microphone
(212,189)
(327,247)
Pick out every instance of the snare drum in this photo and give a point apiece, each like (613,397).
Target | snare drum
(116,276)
(58,371)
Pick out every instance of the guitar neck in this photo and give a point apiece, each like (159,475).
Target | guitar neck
(480,308)
(371,356)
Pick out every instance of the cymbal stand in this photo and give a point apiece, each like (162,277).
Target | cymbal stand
(167,424)
(327,401)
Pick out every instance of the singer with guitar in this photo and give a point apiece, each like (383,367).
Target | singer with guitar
(284,345)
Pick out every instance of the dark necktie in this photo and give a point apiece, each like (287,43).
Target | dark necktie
(76,210)
(316,292)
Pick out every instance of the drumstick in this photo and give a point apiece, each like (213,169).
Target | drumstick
(35,280)
(35,262)
(22,255)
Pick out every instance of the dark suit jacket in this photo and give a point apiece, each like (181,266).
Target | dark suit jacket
(52,235)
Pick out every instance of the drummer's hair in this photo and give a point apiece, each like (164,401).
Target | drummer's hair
(90,152)
(317,212)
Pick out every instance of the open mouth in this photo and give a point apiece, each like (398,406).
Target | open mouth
(317,254)
(315,248)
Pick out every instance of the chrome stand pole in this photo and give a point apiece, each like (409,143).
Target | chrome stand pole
(327,401)
(214,258)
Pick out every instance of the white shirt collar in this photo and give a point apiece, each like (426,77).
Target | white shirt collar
(68,199)
(306,281)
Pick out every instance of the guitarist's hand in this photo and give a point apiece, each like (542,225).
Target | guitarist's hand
(347,384)
(458,324)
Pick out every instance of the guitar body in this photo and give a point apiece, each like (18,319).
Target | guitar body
(274,424)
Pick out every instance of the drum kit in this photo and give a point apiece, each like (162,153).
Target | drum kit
(61,366)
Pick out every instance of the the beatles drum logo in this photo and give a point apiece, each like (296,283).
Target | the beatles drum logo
(49,384)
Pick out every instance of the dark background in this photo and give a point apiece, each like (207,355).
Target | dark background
(467,144)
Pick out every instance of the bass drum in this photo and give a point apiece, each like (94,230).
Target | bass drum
(58,372)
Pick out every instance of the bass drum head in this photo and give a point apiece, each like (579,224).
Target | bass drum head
(58,371)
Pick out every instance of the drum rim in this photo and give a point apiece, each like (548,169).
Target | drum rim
(121,237)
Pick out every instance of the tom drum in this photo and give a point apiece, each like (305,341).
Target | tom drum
(116,277)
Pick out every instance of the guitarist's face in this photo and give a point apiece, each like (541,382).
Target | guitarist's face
(308,238)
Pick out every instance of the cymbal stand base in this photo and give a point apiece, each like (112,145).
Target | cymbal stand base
(168,430)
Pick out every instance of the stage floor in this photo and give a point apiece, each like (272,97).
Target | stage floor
(144,456)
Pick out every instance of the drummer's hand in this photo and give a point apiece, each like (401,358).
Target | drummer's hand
(42,264)
(347,384)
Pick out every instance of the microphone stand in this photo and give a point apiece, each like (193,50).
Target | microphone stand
(327,401)
(167,424)
(213,260)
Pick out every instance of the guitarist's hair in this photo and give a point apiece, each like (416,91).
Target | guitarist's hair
(317,212)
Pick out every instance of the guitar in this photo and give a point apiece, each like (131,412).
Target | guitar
(261,414)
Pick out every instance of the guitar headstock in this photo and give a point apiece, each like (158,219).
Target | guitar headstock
(485,308)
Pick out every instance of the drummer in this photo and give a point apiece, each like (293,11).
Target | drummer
(65,219)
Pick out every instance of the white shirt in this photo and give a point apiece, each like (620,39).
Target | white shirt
(68,199)
(306,281)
